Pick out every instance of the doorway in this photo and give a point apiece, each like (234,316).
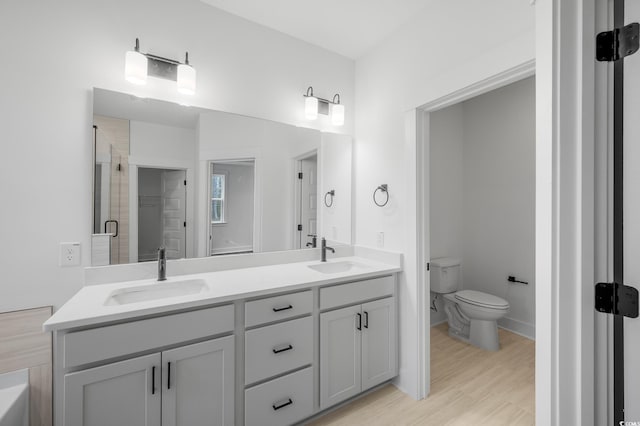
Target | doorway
(162,213)
(421,117)
(306,200)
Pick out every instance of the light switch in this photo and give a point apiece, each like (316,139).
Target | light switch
(69,254)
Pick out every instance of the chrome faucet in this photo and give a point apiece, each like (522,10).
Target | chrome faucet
(162,264)
(324,250)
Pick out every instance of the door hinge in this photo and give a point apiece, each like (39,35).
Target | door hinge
(185,182)
(618,43)
(428,266)
(617,299)
(299,227)
(184,224)
(119,167)
(299,175)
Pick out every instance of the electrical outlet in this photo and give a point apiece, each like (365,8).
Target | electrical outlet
(69,254)
(380,240)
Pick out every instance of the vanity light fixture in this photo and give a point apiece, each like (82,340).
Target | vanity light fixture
(139,65)
(314,105)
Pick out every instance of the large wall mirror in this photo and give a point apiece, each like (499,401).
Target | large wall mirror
(209,183)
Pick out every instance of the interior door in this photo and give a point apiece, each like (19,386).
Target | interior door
(340,355)
(308,199)
(378,342)
(174,213)
(198,384)
(122,393)
(631,218)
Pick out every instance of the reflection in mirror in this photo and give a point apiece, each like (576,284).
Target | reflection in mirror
(232,199)
(208,183)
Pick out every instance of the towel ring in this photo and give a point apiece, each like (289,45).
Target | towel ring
(384,189)
(331,193)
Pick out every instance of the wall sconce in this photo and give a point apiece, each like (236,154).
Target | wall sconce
(314,106)
(140,65)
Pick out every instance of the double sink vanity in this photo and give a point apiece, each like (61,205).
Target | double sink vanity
(272,342)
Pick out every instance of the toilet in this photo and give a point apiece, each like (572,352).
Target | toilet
(472,315)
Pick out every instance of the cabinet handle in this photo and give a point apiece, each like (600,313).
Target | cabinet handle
(359,326)
(286,348)
(277,407)
(153,380)
(284,308)
(366,319)
(168,375)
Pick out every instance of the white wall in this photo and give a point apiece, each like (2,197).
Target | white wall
(64,49)
(236,234)
(427,59)
(336,174)
(499,199)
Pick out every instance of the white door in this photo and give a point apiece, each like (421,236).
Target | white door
(198,384)
(631,220)
(308,199)
(340,355)
(174,213)
(378,342)
(121,393)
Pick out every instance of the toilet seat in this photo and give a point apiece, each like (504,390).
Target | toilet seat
(481,299)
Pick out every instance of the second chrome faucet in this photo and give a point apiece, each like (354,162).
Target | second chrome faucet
(324,249)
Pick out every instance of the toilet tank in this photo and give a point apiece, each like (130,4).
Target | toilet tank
(445,274)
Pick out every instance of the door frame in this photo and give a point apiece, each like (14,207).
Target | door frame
(421,117)
(187,167)
(257,200)
(297,201)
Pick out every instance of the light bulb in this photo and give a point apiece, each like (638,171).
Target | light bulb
(337,115)
(135,67)
(311,108)
(186,79)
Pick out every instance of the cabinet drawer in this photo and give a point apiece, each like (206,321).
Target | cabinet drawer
(282,401)
(348,294)
(96,344)
(279,307)
(278,348)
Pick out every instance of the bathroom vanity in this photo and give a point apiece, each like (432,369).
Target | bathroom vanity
(266,345)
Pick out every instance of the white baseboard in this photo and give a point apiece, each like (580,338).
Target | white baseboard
(518,327)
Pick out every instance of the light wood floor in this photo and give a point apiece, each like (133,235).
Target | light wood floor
(469,386)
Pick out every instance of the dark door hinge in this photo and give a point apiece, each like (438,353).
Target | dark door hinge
(299,227)
(185,182)
(618,43)
(119,167)
(428,266)
(300,175)
(617,299)
(184,224)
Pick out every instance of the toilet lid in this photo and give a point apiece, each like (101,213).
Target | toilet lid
(482,299)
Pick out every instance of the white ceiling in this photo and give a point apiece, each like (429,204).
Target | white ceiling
(348,27)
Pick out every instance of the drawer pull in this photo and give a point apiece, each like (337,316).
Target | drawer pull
(153,380)
(286,348)
(366,319)
(284,308)
(359,326)
(168,375)
(277,407)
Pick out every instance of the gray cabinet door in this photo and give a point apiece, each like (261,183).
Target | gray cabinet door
(115,394)
(340,352)
(198,384)
(379,347)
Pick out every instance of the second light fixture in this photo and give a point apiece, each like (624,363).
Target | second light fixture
(314,105)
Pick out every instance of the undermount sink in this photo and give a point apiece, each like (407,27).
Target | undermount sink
(155,291)
(337,267)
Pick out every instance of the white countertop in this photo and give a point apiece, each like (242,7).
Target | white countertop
(87,307)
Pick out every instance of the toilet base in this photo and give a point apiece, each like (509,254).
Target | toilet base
(480,333)
(484,334)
